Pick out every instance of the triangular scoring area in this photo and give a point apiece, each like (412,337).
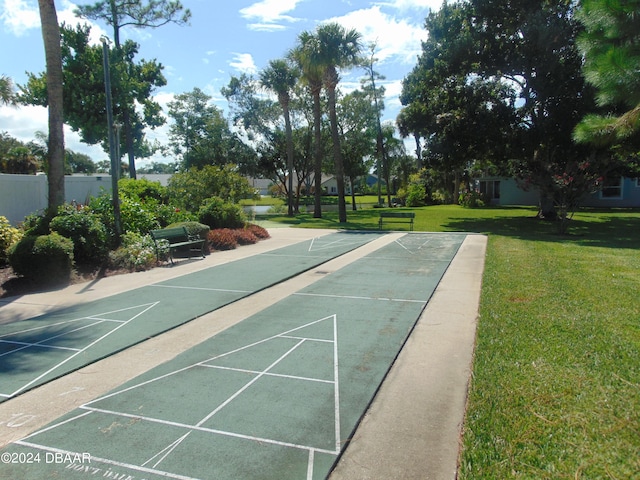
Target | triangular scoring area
(290,396)
(413,244)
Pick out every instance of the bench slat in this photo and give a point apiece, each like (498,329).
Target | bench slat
(396,215)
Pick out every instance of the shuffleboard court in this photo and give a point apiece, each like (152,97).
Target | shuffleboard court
(276,396)
(35,351)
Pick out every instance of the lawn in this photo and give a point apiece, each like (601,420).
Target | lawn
(555,391)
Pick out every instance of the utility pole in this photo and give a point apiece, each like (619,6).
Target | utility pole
(115,160)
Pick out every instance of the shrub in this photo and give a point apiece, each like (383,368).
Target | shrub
(216,213)
(88,234)
(472,199)
(258,231)
(245,236)
(222,239)
(193,228)
(136,253)
(169,214)
(8,236)
(42,258)
(143,190)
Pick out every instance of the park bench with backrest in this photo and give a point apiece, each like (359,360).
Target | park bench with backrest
(177,238)
(396,217)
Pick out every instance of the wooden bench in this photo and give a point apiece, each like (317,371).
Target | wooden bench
(177,237)
(397,217)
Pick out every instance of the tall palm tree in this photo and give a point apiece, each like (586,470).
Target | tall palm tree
(336,48)
(280,77)
(53,57)
(7,95)
(312,75)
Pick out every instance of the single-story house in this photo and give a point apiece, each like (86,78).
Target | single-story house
(616,192)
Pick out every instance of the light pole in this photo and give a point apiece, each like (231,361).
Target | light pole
(115,163)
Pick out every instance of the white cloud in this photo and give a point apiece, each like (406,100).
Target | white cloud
(395,39)
(269,13)
(243,62)
(22,124)
(413,4)
(18,16)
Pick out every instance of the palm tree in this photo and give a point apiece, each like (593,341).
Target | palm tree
(312,75)
(280,77)
(53,57)
(7,95)
(336,48)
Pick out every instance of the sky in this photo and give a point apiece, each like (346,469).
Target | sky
(225,38)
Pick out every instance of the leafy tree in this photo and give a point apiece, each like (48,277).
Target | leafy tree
(200,134)
(610,44)
(138,14)
(53,57)
(79,163)
(358,131)
(84,95)
(159,167)
(189,189)
(483,50)
(20,160)
(280,77)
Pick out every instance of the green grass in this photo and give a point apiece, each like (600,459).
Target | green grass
(555,391)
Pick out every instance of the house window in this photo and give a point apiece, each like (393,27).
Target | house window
(612,188)
(490,188)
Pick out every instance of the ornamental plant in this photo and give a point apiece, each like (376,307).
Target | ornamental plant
(8,236)
(42,258)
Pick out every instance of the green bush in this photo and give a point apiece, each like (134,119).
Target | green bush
(42,258)
(216,213)
(472,199)
(87,232)
(193,228)
(136,253)
(143,190)
(8,236)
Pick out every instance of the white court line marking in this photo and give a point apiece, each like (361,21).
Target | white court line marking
(411,251)
(108,462)
(269,374)
(51,427)
(208,430)
(149,307)
(203,363)
(336,398)
(312,455)
(41,342)
(198,427)
(202,288)
(355,297)
(248,384)
(26,345)
(48,325)
(167,451)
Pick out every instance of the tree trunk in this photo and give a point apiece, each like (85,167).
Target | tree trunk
(317,155)
(337,154)
(289,134)
(51,37)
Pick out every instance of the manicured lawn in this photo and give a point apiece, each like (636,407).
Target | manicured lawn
(555,391)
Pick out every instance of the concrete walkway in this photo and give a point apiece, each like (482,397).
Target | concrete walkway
(412,427)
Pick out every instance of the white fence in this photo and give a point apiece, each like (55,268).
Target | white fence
(21,195)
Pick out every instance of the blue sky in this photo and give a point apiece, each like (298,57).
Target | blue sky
(224,38)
